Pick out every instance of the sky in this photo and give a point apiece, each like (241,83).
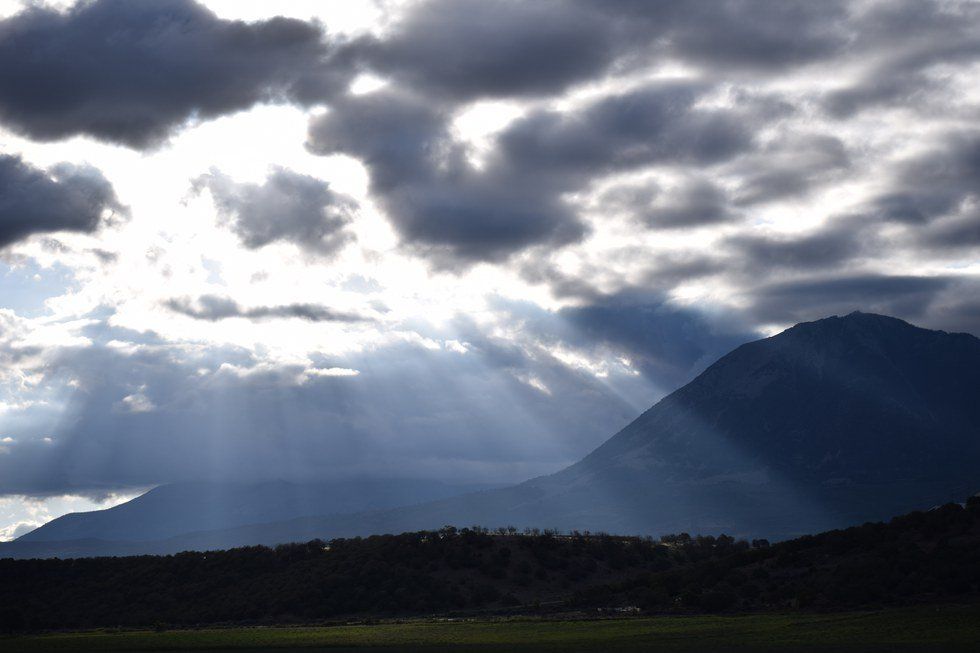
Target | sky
(456,239)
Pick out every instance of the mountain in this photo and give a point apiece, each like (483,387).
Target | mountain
(827,424)
(171,510)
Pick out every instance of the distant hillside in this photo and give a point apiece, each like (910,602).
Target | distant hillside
(827,424)
(177,509)
(921,557)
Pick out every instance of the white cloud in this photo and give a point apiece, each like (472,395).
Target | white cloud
(330,371)
(16,529)
(21,514)
(136,403)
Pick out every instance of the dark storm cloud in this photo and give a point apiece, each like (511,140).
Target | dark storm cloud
(617,268)
(886,87)
(437,201)
(444,206)
(832,245)
(750,35)
(456,214)
(947,302)
(692,202)
(563,285)
(936,183)
(908,43)
(790,166)
(669,343)
(466,49)
(960,232)
(934,196)
(214,308)
(904,296)
(133,72)
(933,200)
(697,203)
(463,50)
(288,206)
(657,123)
(672,268)
(65,197)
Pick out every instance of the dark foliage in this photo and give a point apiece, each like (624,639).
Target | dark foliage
(921,557)
(413,573)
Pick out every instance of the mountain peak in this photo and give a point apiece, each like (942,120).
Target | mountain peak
(862,334)
(861,415)
(857,320)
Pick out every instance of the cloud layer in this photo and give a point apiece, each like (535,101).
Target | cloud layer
(213,308)
(131,73)
(287,207)
(64,198)
(467,238)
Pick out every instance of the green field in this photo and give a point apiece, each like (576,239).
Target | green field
(919,629)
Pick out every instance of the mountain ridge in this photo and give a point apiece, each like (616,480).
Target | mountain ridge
(183,508)
(826,424)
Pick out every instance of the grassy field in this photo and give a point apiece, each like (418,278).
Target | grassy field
(919,629)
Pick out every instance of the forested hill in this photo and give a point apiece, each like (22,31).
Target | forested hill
(921,557)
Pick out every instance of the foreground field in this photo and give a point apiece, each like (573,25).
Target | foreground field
(920,629)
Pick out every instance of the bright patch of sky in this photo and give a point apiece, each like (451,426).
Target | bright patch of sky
(21,515)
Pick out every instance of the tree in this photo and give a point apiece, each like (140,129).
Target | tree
(12,620)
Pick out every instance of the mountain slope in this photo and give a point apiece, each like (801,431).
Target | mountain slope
(171,510)
(827,424)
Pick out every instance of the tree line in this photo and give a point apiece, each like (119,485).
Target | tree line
(923,556)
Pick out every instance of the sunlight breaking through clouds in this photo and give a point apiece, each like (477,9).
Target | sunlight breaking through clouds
(301,243)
